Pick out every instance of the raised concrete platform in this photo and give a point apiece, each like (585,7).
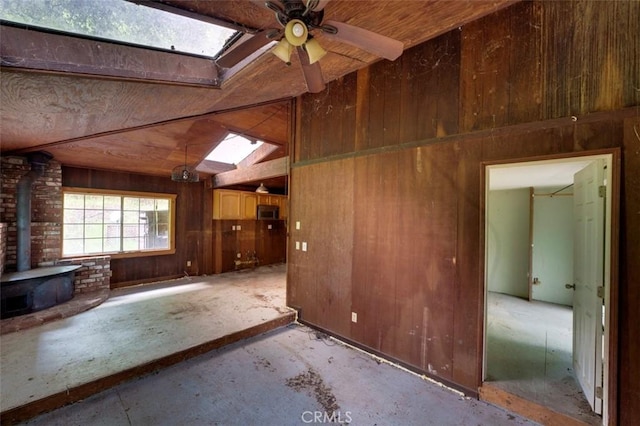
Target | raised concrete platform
(136,331)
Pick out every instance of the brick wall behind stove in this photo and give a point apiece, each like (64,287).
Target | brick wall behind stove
(3,245)
(46,216)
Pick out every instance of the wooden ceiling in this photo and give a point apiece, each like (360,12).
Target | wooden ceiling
(130,123)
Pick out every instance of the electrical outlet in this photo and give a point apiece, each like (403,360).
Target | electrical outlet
(297,245)
(188,263)
(233,227)
(269,226)
(297,224)
(238,228)
(304,246)
(354,317)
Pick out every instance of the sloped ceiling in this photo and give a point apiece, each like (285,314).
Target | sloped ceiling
(142,126)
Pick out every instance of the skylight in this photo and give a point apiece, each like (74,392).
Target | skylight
(233,149)
(120,21)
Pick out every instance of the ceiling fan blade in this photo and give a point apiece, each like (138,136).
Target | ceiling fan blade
(312,72)
(374,43)
(320,5)
(245,48)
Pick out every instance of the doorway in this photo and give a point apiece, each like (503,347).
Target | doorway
(530,347)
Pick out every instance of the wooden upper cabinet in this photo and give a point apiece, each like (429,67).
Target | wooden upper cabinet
(269,199)
(249,205)
(226,205)
(229,204)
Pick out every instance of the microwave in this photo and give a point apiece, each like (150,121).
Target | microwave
(267,212)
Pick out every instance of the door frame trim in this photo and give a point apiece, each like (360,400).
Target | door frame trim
(612,236)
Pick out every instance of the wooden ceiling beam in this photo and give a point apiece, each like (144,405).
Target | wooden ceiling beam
(257,172)
(258,155)
(214,167)
(48,52)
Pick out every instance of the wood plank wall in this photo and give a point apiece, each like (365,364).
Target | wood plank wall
(387,179)
(269,245)
(193,225)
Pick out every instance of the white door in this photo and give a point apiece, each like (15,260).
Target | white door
(589,221)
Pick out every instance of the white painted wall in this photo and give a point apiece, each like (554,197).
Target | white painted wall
(553,247)
(508,242)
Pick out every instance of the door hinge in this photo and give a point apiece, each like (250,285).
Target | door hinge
(599,392)
(602,191)
(601,292)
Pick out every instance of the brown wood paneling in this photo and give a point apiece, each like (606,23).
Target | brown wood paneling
(418,268)
(330,242)
(469,264)
(629,291)
(375,238)
(590,56)
(271,243)
(500,69)
(376,106)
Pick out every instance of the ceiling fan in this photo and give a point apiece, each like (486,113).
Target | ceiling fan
(299,19)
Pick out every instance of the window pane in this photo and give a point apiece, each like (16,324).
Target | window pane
(131,217)
(92,231)
(72,247)
(131,203)
(162,205)
(93,202)
(73,231)
(93,245)
(112,216)
(73,216)
(130,244)
(121,21)
(112,231)
(93,216)
(130,230)
(111,244)
(112,203)
(73,201)
(147,204)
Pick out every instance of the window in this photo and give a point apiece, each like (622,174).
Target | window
(122,21)
(233,149)
(117,223)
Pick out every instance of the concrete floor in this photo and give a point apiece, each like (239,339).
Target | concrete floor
(529,354)
(288,376)
(136,325)
(291,375)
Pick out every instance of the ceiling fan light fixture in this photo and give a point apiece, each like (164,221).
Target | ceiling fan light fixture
(283,51)
(296,32)
(314,50)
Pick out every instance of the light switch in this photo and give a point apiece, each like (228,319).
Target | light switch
(233,227)
(297,245)
(238,228)
(297,224)
(269,226)
(304,246)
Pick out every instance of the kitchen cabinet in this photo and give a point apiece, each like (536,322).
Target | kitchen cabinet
(248,205)
(230,204)
(275,200)
(226,204)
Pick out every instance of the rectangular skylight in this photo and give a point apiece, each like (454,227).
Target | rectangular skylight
(121,21)
(233,149)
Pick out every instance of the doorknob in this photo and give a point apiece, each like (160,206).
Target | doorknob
(570,286)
